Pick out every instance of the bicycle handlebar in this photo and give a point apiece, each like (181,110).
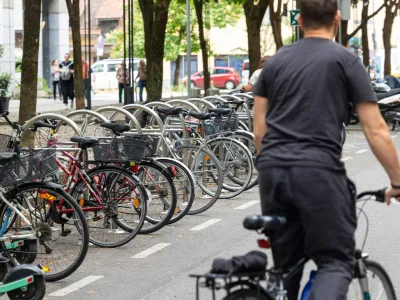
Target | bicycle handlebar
(13,125)
(379,195)
(42,124)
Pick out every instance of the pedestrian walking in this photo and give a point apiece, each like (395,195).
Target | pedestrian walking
(122,80)
(85,77)
(142,75)
(55,78)
(67,80)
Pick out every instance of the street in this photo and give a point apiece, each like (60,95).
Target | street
(157,266)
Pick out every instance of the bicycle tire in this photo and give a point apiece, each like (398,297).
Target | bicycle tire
(247,294)
(164,172)
(252,148)
(242,184)
(139,190)
(190,187)
(219,180)
(378,270)
(78,213)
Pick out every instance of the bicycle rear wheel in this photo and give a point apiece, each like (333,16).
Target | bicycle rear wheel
(53,215)
(379,284)
(185,185)
(160,187)
(208,174)
(114,203)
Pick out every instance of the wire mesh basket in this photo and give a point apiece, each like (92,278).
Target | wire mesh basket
(29,167)
(7,143)
(221,124)
(126,148)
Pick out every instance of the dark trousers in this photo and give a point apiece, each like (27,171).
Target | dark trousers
(120,89)
(142,86)
(320,208)
(67,88)
(86,87)
(57,86)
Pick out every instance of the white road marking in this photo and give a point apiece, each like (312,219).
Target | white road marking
(362,151)
(75,286)
(205,224)
(248,204)
(345,158)
(151,250)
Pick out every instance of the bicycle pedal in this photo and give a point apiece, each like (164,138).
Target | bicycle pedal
(66,232)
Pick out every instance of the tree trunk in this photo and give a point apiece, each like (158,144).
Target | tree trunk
(177,71)
(198,5)
(345,37)
(364,34)
(387,35)
(182,32)
(254,16)
(155,17)
(276,23)
(73,12)
(29,68)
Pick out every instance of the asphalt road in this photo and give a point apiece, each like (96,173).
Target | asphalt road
(137,271)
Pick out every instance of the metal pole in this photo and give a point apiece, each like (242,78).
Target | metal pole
(374,32)
(89,88)
(124,32)
(340,24)
(189,52)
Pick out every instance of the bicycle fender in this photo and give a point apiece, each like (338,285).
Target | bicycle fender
(22,271)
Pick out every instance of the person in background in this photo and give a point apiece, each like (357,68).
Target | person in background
(142,75)
(55,78)
(85,77)
(122,80)
(254,78)
(67,80)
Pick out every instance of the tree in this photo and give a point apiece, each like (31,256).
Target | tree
(155,17)
(392,7)
(74,15)
(254,14)
(276,22)
(364,33)
(29,69)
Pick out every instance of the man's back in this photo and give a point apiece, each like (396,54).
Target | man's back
(307,87)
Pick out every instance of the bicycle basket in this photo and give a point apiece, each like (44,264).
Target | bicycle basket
(221,124)
(29,167)
(126,148)
(7,143)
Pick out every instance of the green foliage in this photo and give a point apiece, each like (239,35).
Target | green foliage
(221,15)
(1,50)
(42,83)
(5,80)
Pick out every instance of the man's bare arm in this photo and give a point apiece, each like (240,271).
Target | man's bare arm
(260,125)
(380,141)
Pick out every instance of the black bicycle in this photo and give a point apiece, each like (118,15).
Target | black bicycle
(237,283)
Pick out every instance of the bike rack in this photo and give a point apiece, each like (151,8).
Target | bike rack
(138,108)
(128,116)
(202,104)
(87,116)
(61,118)
(242,115)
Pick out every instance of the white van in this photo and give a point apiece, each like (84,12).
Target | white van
(105,72)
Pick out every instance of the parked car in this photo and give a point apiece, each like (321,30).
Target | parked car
(105,72)
(245,71)
(223,78)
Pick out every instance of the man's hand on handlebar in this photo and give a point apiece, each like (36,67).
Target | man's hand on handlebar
(392,193)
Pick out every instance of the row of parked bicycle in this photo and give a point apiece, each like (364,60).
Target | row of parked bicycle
(105,176)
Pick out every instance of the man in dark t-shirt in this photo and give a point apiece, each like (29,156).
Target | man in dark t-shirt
(67,80)
(301,101)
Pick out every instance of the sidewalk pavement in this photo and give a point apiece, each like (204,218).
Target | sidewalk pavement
(49,105)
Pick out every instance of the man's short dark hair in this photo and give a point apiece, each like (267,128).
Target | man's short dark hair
(318,13)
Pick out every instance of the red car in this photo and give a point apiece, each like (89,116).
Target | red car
(223,78)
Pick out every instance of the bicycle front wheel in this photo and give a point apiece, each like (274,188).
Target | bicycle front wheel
(247,294)
(52,215)
(379,284)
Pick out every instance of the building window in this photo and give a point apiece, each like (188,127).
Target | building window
(108,26)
